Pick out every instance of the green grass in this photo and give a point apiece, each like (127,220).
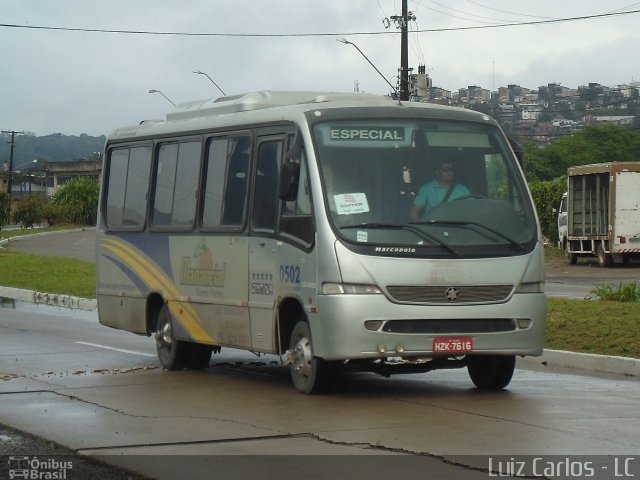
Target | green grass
(589,326)
(47,274)
(594,326)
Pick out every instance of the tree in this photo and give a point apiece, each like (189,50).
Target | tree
(595,144)
(79,199)
(4,209)
(546,197)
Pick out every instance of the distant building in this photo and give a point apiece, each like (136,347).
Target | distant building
(530,111)
(47,178)
(59,173)
(609,119)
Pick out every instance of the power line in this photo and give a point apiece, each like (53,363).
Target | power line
(317,34)
(459,11)
(508,12)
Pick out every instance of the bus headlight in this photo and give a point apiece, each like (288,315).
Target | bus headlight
(537,287)
(349,289)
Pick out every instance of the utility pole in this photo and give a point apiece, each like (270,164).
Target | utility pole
(403,23)
(11,143)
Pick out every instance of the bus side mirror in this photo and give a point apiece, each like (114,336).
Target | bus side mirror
(518,150)
(289,176)
(290,171)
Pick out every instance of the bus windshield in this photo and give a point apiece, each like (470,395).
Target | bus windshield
(447,188)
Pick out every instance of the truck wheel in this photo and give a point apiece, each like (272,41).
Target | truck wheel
(310,374)
(173,354)
(491,372)
(571,257)
(604,259)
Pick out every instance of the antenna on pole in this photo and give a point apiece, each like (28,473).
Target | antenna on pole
(402,22)
(13,134)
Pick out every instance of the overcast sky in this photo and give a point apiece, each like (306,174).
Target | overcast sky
(73,82)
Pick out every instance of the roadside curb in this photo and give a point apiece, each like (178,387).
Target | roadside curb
(6,241)
(55,299)
(585,361)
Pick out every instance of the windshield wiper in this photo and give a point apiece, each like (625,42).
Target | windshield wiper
(400,226)
(497,233)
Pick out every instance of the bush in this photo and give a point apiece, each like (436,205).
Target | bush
(28,211)
(78,200)
(52,213)
(629,292)
(546,197)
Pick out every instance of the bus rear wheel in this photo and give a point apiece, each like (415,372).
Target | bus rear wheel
(310,374)
(173,354)
(491,372)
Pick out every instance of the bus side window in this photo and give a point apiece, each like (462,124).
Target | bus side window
(215,174)
(235,192)
(265,203)
(127,184)
(176,185)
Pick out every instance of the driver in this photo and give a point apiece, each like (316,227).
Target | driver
(439,190)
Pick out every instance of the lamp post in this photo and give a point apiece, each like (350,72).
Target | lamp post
(23,164)
(198,72)
(167,98)
(347,42)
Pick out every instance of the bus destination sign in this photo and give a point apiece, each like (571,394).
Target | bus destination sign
(377,133)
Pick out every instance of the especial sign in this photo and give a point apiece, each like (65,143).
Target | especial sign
(375,133)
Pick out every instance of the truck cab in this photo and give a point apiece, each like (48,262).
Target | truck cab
(563,230)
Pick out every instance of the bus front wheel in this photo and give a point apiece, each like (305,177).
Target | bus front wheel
(491,372)
(173,354)
(310,374)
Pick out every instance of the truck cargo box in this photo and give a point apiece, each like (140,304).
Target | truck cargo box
(600,214)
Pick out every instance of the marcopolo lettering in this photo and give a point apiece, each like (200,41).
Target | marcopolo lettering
(385,134)
(395,250)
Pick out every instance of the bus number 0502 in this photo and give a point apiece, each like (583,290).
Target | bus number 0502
(290,273)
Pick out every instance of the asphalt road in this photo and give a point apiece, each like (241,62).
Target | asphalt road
(76,244)
(100,392)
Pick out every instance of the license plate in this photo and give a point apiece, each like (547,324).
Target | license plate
(452,344)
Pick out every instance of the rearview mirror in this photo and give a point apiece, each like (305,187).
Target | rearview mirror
(290,171)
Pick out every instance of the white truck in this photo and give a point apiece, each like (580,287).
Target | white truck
(600,213)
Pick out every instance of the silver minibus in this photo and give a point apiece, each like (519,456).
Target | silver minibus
(335,230)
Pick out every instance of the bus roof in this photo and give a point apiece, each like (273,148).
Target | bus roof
(224,110)
(268,99)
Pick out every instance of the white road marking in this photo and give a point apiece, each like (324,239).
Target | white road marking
(116,349)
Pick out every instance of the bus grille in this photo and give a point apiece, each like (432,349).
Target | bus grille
(449,294)
(450,326)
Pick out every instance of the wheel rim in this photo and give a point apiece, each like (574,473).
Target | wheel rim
(164,334)
(301,358)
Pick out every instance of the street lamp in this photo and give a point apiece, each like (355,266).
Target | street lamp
(347,42)
(198,72)
(167,98)
(23,164)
